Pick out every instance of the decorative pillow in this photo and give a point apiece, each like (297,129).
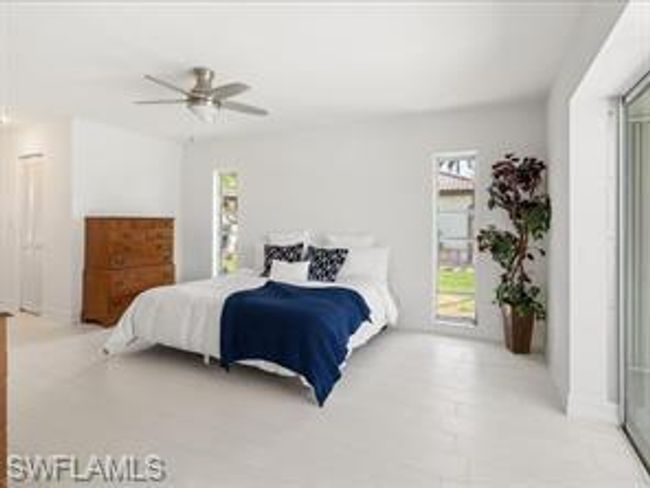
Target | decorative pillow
(288,238)
(370,263)
(281,238)
(290,254)
(324,264)
(349,240)
(291,272)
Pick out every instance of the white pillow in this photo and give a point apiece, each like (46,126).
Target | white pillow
(292,272)
(370,263)
(349,241)
(288,238)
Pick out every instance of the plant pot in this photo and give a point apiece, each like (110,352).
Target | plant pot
(518,330)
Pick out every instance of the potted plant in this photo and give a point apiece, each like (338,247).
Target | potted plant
(518,188)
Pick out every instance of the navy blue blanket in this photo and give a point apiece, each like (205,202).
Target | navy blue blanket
(305,330)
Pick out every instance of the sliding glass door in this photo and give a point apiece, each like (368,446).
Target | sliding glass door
(635,297)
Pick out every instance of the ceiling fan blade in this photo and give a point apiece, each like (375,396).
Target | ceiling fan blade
(166,84)
(159,102)
(227,91)
(242,107)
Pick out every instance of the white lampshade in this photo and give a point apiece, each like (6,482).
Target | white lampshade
(205,112)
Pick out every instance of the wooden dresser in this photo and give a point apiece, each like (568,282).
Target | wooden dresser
(123,257)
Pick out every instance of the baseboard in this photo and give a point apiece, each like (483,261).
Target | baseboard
(475,333)
(10,307)
(592,408)
(560,390)
(62,316)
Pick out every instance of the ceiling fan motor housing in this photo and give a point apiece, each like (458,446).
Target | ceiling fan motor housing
(203,86)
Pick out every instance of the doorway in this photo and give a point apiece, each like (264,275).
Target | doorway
(635,267)
(31,233)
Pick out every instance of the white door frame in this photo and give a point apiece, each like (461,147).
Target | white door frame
(628,201)
(25,163)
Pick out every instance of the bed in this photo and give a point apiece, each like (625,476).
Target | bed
(188,316)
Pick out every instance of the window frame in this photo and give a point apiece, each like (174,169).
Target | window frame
(439,319)
(217,231)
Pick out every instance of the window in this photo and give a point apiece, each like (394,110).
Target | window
(456,277)
(225,258)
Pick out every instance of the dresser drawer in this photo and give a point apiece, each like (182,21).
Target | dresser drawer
(116,243)
(134,280)
(134,253)
(123,257)
(108,293)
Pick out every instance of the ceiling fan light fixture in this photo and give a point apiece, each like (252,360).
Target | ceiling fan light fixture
(205,112)
(204,99)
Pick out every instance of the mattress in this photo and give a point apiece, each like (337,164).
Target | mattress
(187,316)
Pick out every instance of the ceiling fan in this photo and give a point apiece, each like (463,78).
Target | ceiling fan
(203,99)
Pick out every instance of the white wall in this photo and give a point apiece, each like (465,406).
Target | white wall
(589,37)
(122,173)
(90,169)
(611,52)
(52,139)
(8,223)
(117,171)
(623,60)
(371,177)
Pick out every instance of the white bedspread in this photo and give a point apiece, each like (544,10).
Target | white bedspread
(187,316)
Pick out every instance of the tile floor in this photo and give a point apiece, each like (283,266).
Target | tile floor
(412,410)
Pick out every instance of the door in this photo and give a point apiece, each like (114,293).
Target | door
(635,245)
(31,243)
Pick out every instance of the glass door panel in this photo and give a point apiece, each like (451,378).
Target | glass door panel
(636,193)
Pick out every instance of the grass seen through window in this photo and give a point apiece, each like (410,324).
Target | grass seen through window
(456,288)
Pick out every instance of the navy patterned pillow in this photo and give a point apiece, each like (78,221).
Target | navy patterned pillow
(290,254)
(324,264)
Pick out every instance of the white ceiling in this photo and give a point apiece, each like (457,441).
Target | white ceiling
(307,63)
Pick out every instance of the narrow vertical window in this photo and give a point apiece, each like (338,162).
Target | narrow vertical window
(226,222)
(456,276)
